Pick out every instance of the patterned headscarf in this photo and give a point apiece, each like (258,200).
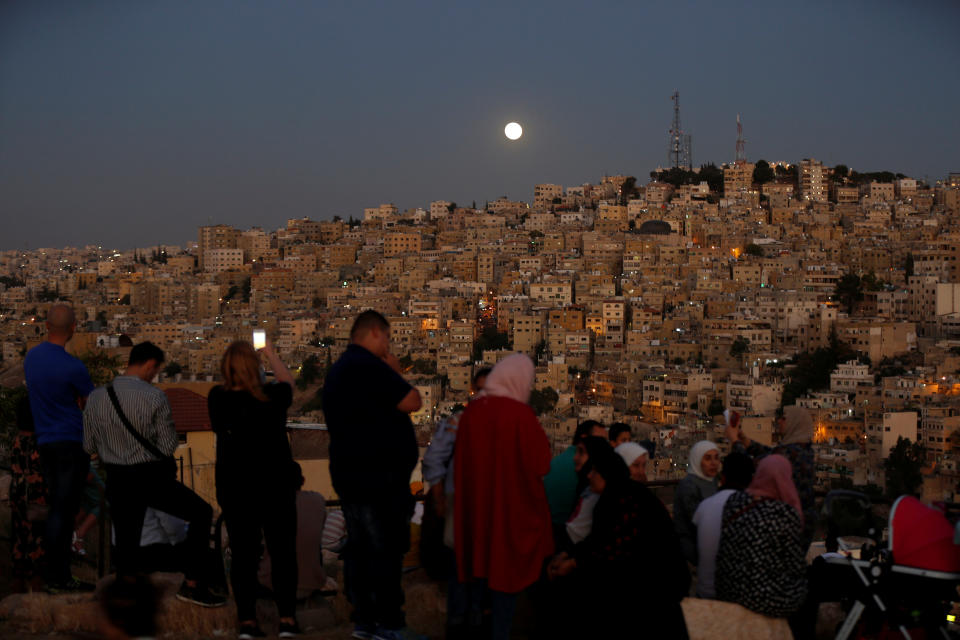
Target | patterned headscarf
(512,377)
(774,479)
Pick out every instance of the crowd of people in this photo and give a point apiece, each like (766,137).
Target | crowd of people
(581,530)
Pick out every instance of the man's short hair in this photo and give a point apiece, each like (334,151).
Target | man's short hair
(617,428)
(737,470)
(584,429)
(60,318)
(144,352)
(482,373)
(367,321)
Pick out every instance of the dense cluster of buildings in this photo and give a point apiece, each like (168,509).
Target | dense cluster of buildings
(653,305)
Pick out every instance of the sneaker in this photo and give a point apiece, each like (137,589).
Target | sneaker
(70,586)
(288,630)
(382,633)
(250,631)
(200,596)
(77,545)
(362,631)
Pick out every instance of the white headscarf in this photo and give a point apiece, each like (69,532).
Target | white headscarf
(697,452)
(512,377)
(630,451)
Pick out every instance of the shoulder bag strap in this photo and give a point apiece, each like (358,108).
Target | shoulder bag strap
(146,444)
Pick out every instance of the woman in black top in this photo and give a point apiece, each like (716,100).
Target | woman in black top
(631,564)
(257,480)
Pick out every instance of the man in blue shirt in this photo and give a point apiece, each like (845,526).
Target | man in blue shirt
(373,451)
(58,385)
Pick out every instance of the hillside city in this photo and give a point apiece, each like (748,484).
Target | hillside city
(748,286)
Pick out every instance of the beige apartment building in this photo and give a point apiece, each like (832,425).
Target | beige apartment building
(545,194)
(217,260)
(558,294)
(737,179)
(813,179)
(399,243)
(220,236)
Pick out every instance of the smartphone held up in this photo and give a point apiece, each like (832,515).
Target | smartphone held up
(259,339)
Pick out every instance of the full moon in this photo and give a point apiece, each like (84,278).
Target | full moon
(513,131)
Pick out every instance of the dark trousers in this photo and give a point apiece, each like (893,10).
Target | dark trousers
(378,536)
(65,466)
(133,488)
(273,519)
(467,606)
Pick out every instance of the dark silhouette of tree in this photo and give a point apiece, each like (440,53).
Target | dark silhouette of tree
(309,372)
(102,366)
(490,340)
(811,370)
(753,250)
(849,290)
(172,369)
(713,176)
(902,468)
(543,401)
(840,173)
(762,173)
(739,346)
(716,406)
(9,397)
(627,189)
(908,265)
(871,282)
(425,367)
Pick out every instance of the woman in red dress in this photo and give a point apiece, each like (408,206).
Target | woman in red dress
(502,527)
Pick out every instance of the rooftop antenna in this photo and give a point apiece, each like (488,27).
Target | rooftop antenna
(741,155)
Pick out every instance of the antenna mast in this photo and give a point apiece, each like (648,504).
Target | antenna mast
(680,144)
(741,144)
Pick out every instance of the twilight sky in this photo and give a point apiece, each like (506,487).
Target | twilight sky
(130,123)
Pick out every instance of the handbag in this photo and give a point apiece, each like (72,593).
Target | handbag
(146,444)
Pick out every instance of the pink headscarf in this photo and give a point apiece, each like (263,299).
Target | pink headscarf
(512,377)
(774,479)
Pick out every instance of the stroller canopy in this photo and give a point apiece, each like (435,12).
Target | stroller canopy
(921,537)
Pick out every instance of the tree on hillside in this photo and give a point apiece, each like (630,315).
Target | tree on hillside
(9,397)
(739,347)
(811,370)
(713,176)
(753,250)
(543,401)
(490,340)
(762,173)
(627,189)
(840,173)
(849,291)
(102,366)
(902,468)
(309,372)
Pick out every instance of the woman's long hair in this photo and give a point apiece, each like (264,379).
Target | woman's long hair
(240,367)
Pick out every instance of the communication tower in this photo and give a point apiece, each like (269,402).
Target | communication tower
(741,144)
(680,155)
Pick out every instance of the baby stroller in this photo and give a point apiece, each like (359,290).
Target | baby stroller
(906,589)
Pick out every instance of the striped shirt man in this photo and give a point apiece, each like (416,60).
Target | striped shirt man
(147,409)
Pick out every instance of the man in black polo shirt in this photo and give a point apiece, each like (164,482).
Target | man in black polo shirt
(373,451)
